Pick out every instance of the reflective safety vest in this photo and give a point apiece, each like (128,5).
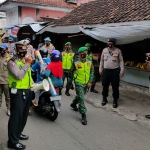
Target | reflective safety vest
(25,82)
(67,59)
(89,56)
(82,72)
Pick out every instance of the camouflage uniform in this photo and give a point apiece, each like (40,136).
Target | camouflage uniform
(81,89)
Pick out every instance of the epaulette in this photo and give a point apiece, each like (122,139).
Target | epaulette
(14,58)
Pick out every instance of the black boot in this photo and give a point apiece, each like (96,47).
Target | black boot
(94,91)
(84,121)
(104,102)
(93,88)
(75,108)
(115,103)
(67,92)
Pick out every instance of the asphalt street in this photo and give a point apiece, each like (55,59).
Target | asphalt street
(104,131)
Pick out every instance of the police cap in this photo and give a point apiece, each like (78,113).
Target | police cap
(112,40)
(22,44)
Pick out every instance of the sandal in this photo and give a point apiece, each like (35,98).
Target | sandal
(35,103)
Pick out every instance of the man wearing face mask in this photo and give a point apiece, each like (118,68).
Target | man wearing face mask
(68,57)
(48,46)
(20,81)
(90,57)
(82,70)
(112,68)
(4,88)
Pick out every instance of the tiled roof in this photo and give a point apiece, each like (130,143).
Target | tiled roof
(107,11)
(52,3)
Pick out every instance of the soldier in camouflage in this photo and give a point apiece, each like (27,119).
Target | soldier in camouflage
(68,57)
(82,72)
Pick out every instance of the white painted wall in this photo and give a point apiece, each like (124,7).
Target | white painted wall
(12,17)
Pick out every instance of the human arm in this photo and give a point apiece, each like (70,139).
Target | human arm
(101,64)
(91,77)
(45,74)
(16,71)
(121,64)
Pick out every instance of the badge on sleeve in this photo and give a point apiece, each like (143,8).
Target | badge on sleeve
(88,64)
(12,64)
(79,65)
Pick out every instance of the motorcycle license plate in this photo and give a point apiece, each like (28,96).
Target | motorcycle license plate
(55,98)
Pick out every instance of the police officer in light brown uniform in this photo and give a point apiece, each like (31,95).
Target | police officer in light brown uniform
(112,68)
(4,58)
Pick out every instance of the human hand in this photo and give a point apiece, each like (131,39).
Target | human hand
(121,74)
(101,72)
(28,60)
(89,85)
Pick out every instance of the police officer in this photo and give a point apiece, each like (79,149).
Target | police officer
(90,56)
(112,68)
(68,57)
(48,46)
(83,76)
(11,47)
(20,81)
(4,58)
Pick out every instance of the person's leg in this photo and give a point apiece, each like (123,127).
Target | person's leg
(37,95)
(26,109)
(115,86)
(7,98)
(1,92)
(75,101)
(105,84)
(67,85)
(17,105)
(81,90)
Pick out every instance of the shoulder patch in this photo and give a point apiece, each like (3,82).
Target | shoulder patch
(12,64)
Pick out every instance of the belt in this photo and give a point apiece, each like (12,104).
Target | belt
(111,69)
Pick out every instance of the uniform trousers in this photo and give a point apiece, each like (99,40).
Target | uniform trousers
(81,89)
(5,88)
(67,74)
(111,76)
(19,113)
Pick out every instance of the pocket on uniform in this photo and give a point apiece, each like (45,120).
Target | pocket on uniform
(105,57)
(5,67)
(115,56)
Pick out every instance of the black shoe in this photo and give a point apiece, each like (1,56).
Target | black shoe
(67,93)
(75,108)
(104,102)
(84,121)
(94,91)
(147,116)
(23,137)
(115,103)
(16,146)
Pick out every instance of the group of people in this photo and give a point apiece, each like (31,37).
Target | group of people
(77,67)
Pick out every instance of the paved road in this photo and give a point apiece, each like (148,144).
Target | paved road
(105,131)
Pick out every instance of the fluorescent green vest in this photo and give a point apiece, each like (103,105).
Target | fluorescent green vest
(82,73)
(67,59)
(25,82)
(89,56)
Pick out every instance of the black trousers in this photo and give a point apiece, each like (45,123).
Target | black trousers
(19,109)
(111,76)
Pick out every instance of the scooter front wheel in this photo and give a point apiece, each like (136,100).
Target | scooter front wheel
(53,114)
